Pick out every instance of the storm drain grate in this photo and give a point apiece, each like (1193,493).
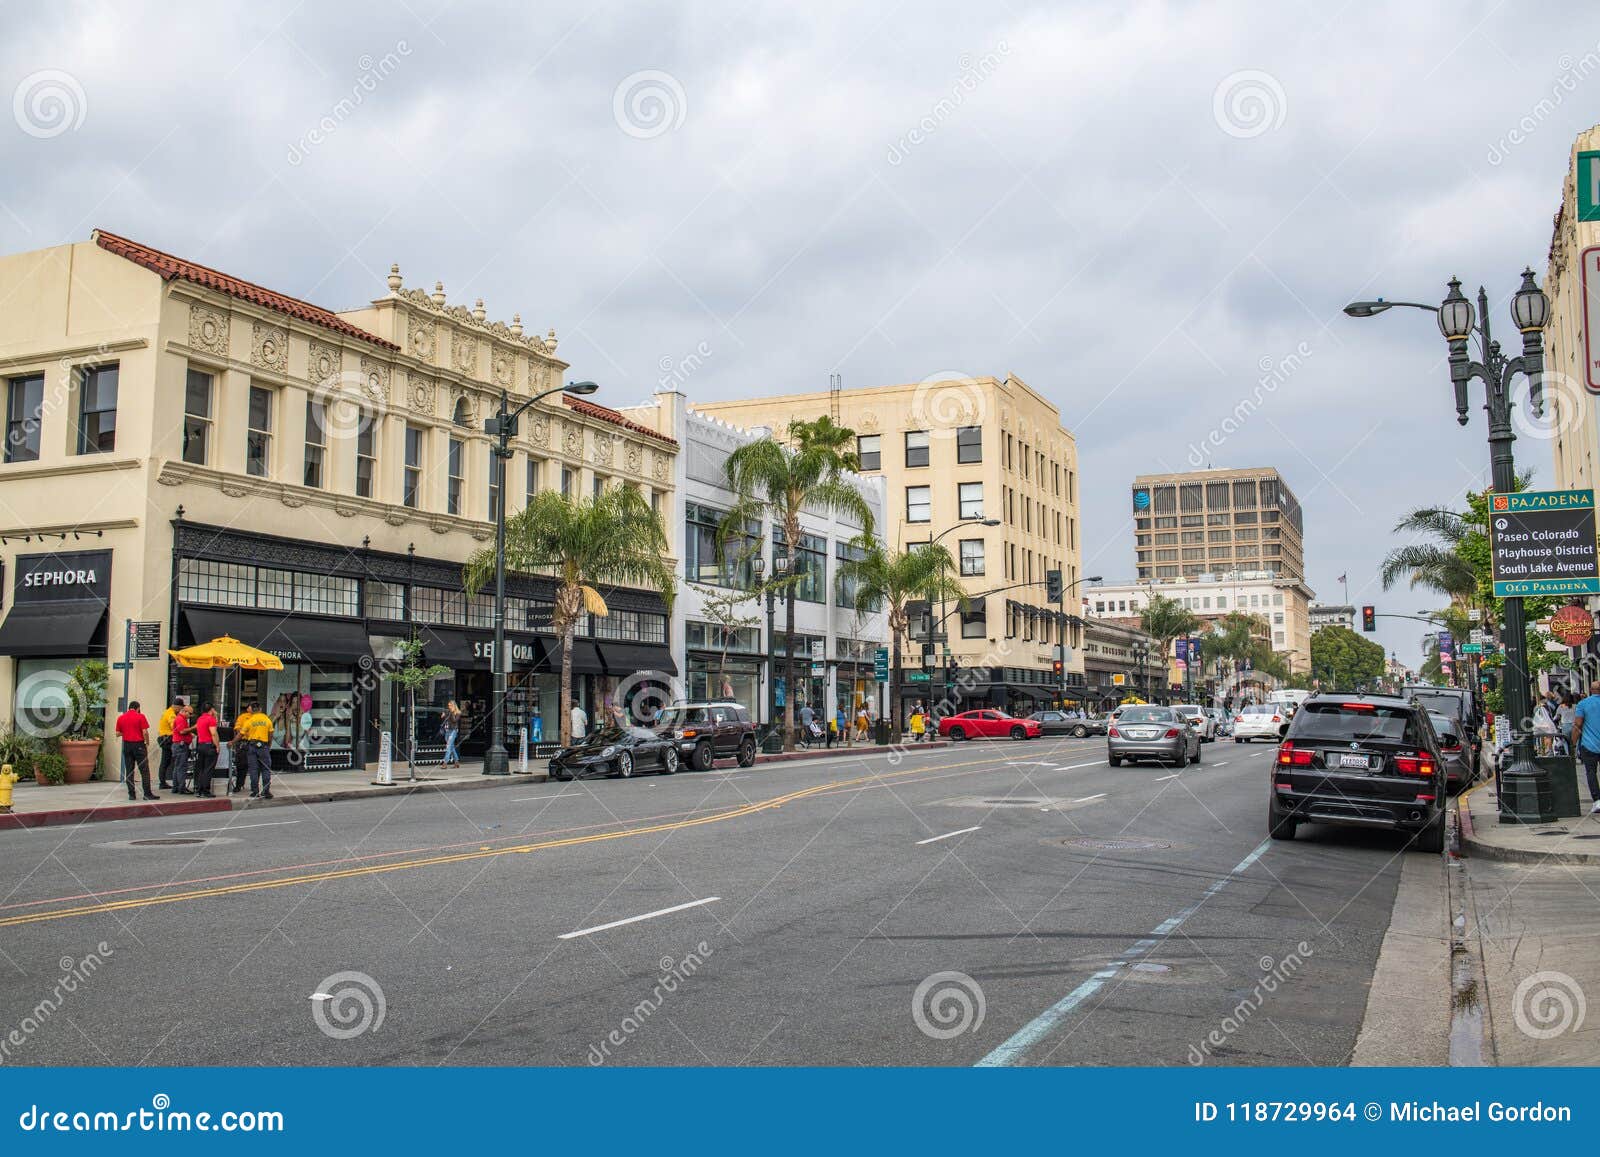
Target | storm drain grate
(162,843)
(1130,844)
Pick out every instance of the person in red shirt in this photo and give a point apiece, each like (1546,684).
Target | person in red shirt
(205,750)
(182,750)
(134,729)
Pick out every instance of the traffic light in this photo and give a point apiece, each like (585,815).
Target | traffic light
(1052,586)
(1369,619)
(1055,667)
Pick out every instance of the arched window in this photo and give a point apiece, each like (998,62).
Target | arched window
(463,413)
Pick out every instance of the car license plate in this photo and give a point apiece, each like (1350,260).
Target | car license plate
(1141,733)
(1360,761)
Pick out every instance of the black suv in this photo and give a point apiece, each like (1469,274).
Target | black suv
(708,731)
(1458,703)
(1363,760)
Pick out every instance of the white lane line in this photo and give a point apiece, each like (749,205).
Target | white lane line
(1075,766)
(947,835)
(1163,778)
(233,827)
(1090,798)
(563,795)
(1220,763)
(1014,1050)
(636,919)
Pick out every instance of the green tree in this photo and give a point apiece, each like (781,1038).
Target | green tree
(411,676)
(774,483)
(612,539)
(1164,620)
(1342,660)
(894,579)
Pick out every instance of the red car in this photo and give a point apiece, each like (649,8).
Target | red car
(988,723)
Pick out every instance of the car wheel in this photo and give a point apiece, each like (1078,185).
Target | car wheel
(1080,731)
(563,777)
(625,765)
(958,734)
(669,761)
(701,759)
(1236,739)
(1431,838)
(747,753)
(1114,760)
(1279,826)
(1197,753)
(1019,732)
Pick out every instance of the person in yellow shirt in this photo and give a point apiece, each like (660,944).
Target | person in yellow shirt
(254,731)
(918,724)
(164,739)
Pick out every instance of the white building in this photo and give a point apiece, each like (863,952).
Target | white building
(1332,615)
(719,624)
(1281,600)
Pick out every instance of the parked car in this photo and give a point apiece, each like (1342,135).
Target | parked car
(619,751)
(1259,721)
(705,732)
(1060,723)
(1454,751)
(1457,703)
(988,723)
(1159,733)
(1370,761)
(1203,724)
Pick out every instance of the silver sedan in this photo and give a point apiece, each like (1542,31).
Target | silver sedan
(1157,733)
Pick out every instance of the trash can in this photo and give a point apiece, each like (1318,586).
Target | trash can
(880,733)
(1563,773)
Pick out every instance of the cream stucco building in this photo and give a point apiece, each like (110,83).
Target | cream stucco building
(190,449)
(953,452)
(1572,355)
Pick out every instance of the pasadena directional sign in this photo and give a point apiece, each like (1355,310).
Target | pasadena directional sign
(1542,542)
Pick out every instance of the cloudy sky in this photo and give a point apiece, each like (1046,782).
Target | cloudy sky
(1143,210)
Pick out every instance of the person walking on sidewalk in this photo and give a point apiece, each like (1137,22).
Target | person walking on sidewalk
(134,729)
(164,739)
(450,725)
(254,731)
(1586,739)
(205,750)
(182,748)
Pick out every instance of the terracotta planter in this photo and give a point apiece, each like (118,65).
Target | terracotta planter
(38,776)
(81,756)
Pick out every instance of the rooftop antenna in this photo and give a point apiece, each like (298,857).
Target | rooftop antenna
(835,384)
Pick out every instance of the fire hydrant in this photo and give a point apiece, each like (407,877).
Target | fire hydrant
(7,778)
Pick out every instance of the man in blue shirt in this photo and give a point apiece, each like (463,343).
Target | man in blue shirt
(1586,738)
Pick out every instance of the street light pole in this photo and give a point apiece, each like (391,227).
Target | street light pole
(1524,785)
(502,427)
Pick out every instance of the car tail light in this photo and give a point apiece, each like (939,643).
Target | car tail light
(1172,733)
(1424,799)
(1114,733)
(1358,707)
(1285,787)
(1291,756)
(1419,764)
(1238,718)
(1277,719)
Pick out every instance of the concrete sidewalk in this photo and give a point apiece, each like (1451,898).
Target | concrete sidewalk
(1566,841)
(34,806)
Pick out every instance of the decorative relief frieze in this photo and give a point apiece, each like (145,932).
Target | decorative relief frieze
(269,346)
(323,364)
(208,330)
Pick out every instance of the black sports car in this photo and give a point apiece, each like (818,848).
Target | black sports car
(619,751)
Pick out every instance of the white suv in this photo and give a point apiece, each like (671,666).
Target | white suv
(1259,721)
(1199,719)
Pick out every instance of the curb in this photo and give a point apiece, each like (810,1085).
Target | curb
(1476,846)
(16,821)
(400,787)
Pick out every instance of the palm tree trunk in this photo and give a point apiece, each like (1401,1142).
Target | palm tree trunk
(567,632)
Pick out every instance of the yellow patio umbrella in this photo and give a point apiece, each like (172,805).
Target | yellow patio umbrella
(226,651)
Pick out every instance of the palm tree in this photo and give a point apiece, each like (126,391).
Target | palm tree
(612,539)
(894,579)
(1164,620)
(775,483)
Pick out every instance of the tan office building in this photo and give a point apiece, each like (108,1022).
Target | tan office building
(1189,525)
(952,452)
(193,450)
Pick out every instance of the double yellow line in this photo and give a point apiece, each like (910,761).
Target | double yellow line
(464,857)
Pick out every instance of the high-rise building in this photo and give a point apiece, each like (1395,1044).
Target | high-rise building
(1206,522)
(954,453)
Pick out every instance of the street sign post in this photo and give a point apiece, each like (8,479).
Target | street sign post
(880,664)
(1542,542)
(1472,648)
(918,676)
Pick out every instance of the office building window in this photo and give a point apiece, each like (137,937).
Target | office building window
(412,495)
(711,557)
(24,411)
(97,409)
(810,567)
(975,620)
(869,449)
(457,478)
(316,439)
(568,480)
(919,504)
(258,434)
(969,443)
(972,556)
(971,499)
(533,477)
(366,452)
(916,447)
(494,485)
(197,417)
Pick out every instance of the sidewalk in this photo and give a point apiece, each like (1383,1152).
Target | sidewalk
(34,806)
(1566,841)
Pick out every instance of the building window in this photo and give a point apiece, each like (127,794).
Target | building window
(975,620)
(706,560)
(197,417)
(869,449)
(598,486)
(972,557)
(567,480)
(386,600)
(969,443)
(919,504)
(24,408)
(846,587)
(533,477)
(258,435)
(457,479)
(916,447)
(316,439)
(494,485)
(971,499)
(97,409)
(366,452)
(413,480)
(811,569)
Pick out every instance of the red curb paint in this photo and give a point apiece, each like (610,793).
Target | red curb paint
(94,815)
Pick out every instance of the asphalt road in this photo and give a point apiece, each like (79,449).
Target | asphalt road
(804,913)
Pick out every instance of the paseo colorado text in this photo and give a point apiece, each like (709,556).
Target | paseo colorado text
(1399,1112)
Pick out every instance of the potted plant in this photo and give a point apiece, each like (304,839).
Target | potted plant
(51,769)
(21,751)
(80,743)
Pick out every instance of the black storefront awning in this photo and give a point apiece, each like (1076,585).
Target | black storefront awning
(585,658)
(454,649)
(74,627)
(336,642)
(631,658)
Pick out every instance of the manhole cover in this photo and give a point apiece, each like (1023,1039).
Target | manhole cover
(1129,844)
(162,843)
